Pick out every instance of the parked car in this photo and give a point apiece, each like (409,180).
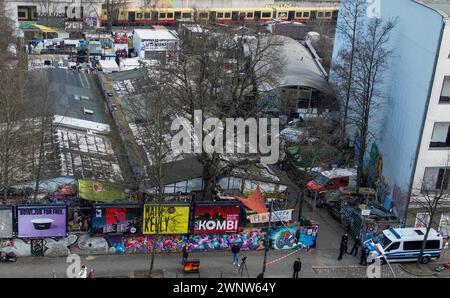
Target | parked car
(331,180)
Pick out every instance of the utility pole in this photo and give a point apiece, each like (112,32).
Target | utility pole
(300,208)
(267,240)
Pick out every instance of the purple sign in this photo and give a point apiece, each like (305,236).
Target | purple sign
(42,221)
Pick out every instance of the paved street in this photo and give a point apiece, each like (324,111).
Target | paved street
(321,262)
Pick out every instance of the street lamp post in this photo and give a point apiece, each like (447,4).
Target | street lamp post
(267,240)
(382,252)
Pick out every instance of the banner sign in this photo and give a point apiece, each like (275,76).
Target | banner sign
(40,221)
(99,191)
(281,215)
(165,219)
(6,223)
(115,219)
(216,219)
(156,44)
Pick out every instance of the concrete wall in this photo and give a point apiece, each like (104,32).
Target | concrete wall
(397,125)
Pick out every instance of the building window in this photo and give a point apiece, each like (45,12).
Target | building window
(441,135)
(445,94)
(436,178)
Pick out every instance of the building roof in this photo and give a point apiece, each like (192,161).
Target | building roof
(154,34)
(110,64)
(300,69)
(441,6)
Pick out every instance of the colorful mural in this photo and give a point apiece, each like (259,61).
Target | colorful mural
(84,244)
(282,238)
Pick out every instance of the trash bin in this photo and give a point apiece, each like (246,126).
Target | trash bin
(191,266)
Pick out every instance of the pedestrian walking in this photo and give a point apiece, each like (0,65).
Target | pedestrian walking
(235,249)
(364,254)
(344,239)
(355,247)
(91,273)
(297,267)
(185,253)
(342,250)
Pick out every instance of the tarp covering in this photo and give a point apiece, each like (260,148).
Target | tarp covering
(99,191)
(254,201)
(44,28)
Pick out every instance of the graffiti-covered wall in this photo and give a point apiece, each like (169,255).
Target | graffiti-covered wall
(84,244)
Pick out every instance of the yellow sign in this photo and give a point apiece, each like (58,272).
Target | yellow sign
(165,219)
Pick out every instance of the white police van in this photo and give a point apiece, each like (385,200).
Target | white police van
(404,245)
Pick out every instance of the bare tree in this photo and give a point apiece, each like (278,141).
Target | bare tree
(324,44)
(152,113)
(47,8)
(40,95)
(432,195)
(220,74)
(112,9)
(351,14)
(13,110)
(370,64)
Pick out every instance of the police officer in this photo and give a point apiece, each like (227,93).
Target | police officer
(364,255)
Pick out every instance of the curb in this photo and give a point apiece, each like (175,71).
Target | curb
(416,274)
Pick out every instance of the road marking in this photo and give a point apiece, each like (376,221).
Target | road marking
(81,80)
(87,80)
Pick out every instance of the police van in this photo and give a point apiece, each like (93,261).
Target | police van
(404,245)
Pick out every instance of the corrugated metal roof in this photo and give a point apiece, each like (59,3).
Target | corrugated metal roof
(300,68)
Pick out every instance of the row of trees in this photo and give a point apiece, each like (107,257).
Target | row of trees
(25,114)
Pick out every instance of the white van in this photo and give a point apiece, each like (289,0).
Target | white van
(404,245)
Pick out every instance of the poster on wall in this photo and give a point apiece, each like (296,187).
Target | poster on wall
(444,225)
(99,191)
(6,222)
(277,216)
(165,219)
(115,219)
(422,220)
(40,221)
(216,219)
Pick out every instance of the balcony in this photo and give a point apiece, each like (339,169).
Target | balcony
(445,94)
(441,135)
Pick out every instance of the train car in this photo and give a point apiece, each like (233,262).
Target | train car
(167,16)
(26,13)
(305,14)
